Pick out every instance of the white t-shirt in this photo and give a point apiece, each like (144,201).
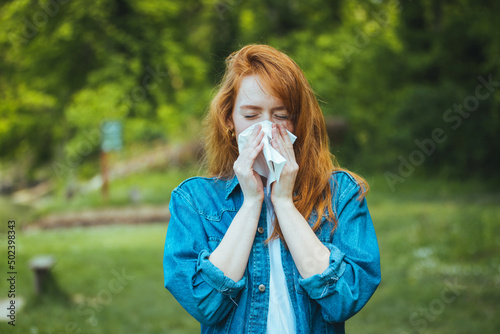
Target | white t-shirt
(280,318)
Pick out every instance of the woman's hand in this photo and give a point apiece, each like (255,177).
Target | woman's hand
(231,255)
(250,181)
(282,191)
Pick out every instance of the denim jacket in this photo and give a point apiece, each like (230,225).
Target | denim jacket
(202,210)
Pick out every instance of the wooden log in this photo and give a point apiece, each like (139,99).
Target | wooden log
(41,266)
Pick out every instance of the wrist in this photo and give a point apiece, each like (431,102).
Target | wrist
(252,203)
(283,204)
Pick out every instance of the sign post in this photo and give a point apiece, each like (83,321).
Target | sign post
(111,141)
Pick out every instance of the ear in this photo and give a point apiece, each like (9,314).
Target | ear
(230,123)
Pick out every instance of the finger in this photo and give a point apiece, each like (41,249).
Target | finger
(279,144)
(285,136)
(274,140)
(287,143)
(252,144)
(253,139)
(248,156)
(279,141)
(281,148)
(252,155)
(286,153)
(243,165)
(255,132)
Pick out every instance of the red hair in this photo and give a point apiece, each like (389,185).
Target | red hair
(285,80)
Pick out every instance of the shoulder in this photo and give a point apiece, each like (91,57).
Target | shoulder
(194,186)
(344,177)
(343,183)
(205,195)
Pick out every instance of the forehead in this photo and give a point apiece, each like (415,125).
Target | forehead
(253,91)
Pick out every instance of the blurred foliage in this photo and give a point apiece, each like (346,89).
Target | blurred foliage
(392,69)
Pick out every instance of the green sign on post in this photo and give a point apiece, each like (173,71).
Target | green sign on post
(111,141)
(112,136)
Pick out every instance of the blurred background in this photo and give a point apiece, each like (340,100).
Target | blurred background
(100,111)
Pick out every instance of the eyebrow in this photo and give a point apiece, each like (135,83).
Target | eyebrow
(251,107)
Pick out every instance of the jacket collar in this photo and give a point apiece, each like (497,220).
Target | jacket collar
(231,184)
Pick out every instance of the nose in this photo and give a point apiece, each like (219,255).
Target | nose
(266,116)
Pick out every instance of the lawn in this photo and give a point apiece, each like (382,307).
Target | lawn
(439,243)
(109,280)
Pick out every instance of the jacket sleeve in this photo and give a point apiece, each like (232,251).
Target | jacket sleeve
(354,271)
(199,286)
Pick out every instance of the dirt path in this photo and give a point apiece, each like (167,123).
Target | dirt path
(125,215)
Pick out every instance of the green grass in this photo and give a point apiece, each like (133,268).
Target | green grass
(89,298)
(432,235)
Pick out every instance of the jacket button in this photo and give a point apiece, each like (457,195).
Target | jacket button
(262,288)
(260,229)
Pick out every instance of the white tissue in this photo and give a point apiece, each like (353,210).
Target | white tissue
(269,163)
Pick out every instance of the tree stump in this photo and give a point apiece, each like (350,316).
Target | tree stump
(41,266)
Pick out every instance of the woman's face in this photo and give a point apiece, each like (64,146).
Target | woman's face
(254,104)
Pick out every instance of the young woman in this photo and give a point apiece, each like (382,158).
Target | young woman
(300,258)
